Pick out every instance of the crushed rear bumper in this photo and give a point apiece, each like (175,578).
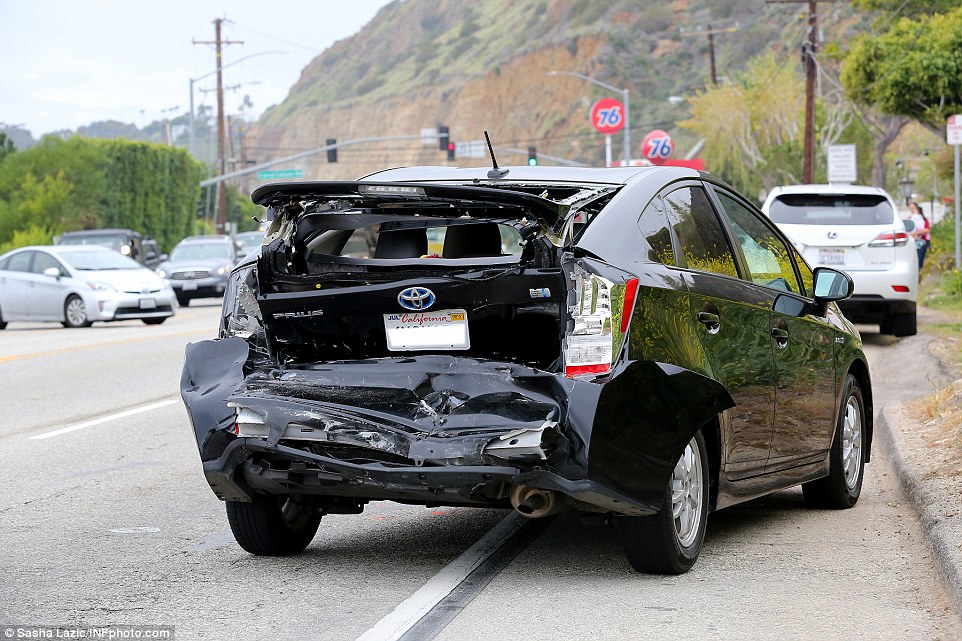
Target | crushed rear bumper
(441,430)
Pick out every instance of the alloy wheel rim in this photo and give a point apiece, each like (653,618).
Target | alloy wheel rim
(687,494)
(76,313)
(852,443)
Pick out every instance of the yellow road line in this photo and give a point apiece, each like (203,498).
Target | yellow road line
(65,350)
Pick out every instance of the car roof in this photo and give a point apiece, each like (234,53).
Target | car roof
(829,189)
(66,249)
(521,173)
(94,232)
(212,238)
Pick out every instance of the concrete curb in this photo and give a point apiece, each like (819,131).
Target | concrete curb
(929,498)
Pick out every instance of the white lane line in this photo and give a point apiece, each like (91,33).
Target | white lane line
(103,419)
(413,609)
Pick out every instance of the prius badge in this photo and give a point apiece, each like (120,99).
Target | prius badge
(416,298)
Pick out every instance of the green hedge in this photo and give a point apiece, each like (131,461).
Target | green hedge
(82,183)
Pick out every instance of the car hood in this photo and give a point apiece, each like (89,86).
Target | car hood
(204,263)
(126,280)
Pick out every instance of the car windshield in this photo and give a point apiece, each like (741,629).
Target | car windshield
(200,251)
(831,209)
(94,260)
(110,241)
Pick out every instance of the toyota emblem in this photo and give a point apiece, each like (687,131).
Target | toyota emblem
(416,298)
(833,235)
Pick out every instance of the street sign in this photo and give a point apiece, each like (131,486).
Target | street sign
(608,116)
(842,165)
(429,136)
(953,130)
(657,146)
(274,174)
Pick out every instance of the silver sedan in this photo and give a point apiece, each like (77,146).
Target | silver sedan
(77,285)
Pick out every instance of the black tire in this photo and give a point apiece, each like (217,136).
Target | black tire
(271,525)
(903,324)
(182,300)
(657,544)
(75,313)
(3,323)
(153,321)
(843,485)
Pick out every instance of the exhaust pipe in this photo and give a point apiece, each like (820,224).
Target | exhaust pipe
(534,503)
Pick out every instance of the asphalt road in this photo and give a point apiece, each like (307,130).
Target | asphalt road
(113,523)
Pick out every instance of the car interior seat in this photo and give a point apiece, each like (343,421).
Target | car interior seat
(401,243)
(472,240)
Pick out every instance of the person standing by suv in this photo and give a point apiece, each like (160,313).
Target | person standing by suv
(922,232)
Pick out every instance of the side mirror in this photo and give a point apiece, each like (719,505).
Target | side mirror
(909,225)
(53,272)
(832,285)
(163,258)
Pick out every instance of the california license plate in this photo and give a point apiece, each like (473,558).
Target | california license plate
(831,256)
(413,331)
(148,303)
(189,286)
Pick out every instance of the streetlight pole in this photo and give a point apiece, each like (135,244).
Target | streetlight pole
(193,80)
(624,96)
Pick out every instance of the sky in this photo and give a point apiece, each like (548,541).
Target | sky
(68,63)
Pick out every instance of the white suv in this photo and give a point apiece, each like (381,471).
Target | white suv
(856,229)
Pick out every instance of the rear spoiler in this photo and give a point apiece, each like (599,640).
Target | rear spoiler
(279,196)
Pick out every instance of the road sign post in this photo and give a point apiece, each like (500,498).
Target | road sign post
(608,117)
(842,164)
(953,136)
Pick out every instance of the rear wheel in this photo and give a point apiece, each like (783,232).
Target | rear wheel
(3,323)
(271,525)
(75,312)
(669,542)
(843,485)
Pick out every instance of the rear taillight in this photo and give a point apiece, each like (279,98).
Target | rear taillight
(890,239)
(600,318)
(901,288)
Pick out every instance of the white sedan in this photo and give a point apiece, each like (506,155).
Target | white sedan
(77,285)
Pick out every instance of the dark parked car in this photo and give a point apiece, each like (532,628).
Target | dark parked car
(128,242)
(198,266)
(642,344)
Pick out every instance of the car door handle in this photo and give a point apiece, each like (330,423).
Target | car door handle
(710,320)
(780,334)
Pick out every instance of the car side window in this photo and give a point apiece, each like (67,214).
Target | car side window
(702,242)
(20,262)
(653,224)
(42,261)
(768,258)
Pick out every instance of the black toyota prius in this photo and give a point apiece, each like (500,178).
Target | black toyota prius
(639,343)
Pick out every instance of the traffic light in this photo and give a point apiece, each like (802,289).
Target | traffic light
(532,156)
(443,137)
(332,153)
(450,151)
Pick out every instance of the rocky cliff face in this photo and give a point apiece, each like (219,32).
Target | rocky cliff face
(482,65)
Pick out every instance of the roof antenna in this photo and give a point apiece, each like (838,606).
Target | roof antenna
(495,173)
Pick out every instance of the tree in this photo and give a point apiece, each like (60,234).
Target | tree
(752,126)
(913,69)
(6,146)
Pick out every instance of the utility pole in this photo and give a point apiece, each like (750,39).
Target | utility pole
(808,58)
(220,202)
(711,45)
(167,122)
